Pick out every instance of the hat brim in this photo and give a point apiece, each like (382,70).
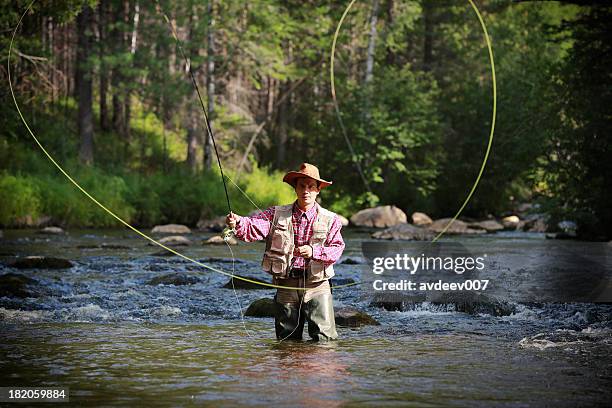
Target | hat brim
(292,176)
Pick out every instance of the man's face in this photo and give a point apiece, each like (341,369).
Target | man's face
(306,190)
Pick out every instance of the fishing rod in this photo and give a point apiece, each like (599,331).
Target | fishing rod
(197,88)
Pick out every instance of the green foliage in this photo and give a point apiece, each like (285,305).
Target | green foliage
(18,198)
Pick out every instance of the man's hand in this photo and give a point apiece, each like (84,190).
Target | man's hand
(231,220)
(304,251)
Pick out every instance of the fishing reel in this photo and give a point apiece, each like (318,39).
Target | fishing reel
(228,233)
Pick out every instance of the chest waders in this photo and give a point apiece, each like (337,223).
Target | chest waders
(295,307)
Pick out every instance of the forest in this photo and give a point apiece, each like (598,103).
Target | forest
(105,88)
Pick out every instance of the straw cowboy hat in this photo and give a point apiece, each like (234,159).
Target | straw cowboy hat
(306,170)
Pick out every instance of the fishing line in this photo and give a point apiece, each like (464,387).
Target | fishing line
(494,114)
(99,204)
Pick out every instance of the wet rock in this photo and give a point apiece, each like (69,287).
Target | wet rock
(379,217)
(176,279)
(474,303)
(351,261)
(217,240)
(51,231)
(212,225)
(17,285)
(534,223)
(261,308)
(511,222)
(41,262)
(487,225)
(406,232)
(341,281)
(175,229)
(351,317)
(456,227)
(421,219)
(394,301)
(173,240)
(241,284)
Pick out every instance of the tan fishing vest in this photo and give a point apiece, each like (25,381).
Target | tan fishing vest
(280,243)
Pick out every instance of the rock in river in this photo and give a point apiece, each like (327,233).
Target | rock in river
(421,219)
(351,317)
(16,285)
(175,229)
(217,240)
(176,279)
(41,262)
(406,232)
(261,308)
(173,240)
(379,217)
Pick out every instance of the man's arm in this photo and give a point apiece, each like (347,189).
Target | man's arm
(255,228)
(332,248)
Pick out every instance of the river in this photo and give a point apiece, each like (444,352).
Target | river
(101,330)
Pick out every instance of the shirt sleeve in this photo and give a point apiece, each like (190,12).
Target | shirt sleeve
(332,248)
(255,228)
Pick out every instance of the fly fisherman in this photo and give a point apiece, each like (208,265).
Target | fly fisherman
(303,241)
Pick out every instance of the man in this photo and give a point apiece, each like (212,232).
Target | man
(303,241)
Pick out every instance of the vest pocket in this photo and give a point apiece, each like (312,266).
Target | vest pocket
(274,265)
(319,272)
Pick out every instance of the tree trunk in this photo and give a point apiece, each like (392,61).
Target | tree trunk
(371,43)
(283,113)
(210,85)
(116,78)
(83,79)
(102,21)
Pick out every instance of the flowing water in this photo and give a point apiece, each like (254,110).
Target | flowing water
(101,330)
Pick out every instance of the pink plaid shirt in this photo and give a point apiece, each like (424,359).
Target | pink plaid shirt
(257,227)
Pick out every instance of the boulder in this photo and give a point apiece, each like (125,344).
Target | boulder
(487,225)
(16,285)
(399,302)
(421,219)
(212,225)
(41,262)
(343,220)
(261,308)
(176,279)
(175,229)
(534,223)
(511,222)
(173,240)
(341,282)
(457,227)
(406,232)
(379,217)
(474,303)
(51,231)
(218,240)
(241,284)
(351,317)
(352,261)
